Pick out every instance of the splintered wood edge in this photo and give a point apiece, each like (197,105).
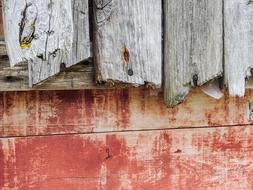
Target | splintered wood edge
(78,77)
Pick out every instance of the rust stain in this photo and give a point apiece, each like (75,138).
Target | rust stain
(123,110)
(50,112)
(125,55)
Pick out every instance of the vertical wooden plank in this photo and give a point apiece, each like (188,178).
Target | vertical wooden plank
(193,45)
(38,30)
(1,22)
(128,41)
(238,44)
(54,42)
(81,44)
(57,32)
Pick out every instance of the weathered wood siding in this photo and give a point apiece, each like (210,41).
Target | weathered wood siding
(1,21)
(85,111)
(193,45)
(181,159)
(46,35)
(128,41)
(238,44)
(81,48)
(141,144)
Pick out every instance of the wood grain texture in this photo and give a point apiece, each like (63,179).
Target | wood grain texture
(179,159)
(81,49)
(40,33)
(60,34)
(193,45)
(128,41)
(79,76)
(238,48)
(108,110)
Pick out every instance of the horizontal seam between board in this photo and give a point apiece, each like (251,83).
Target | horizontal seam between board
(128,131)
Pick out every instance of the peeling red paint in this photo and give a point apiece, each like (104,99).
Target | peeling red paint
(1,165)
(173,159)
(53,112)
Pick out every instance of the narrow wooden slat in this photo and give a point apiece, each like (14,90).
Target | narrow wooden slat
(128,37)
(176,159)
(81,44)
(193,45)
(238,44)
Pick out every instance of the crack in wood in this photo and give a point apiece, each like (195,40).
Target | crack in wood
(103,10)
(27,26)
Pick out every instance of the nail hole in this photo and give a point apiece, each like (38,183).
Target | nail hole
(62,67)
(195,79)
(125,55)
(130,72)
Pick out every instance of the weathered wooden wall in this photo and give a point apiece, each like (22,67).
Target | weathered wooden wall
(124,139)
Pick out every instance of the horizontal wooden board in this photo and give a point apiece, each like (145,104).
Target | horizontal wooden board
(79,76)
(88,111)
(202,159)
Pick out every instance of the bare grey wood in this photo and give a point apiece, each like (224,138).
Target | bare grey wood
(128,41)
(193,45)
(58,33)
(40,32)
(81,49)
(238,44)
(79,76)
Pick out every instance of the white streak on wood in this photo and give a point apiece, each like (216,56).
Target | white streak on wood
(238,44)
(193,45)
(132,27)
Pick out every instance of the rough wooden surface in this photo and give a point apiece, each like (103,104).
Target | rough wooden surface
(135,142)
(218,158)
(81,49)
(128,41)
(91,111)
(79,76)
(238,48)
(193,45)
(40,33)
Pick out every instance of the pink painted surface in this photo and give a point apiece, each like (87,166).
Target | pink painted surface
(53,112)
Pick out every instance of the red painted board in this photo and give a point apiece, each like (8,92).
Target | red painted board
(216,158)
(63,112)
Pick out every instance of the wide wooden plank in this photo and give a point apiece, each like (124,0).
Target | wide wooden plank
(238,44)
(53,41)
(128,41)
(40,32)
(193,45)
(91,111)
(176,159)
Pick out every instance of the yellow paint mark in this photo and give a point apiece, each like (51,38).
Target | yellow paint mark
(24,45)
